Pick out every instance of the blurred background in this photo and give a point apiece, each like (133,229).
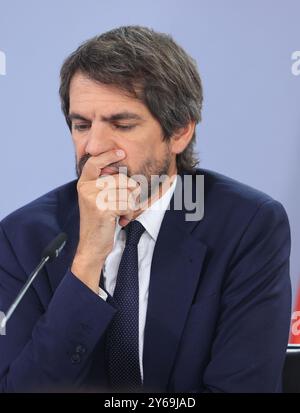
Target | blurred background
(251,122)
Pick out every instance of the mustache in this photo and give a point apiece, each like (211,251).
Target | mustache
(83,160)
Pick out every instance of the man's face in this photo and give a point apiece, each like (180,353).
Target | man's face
(105,118)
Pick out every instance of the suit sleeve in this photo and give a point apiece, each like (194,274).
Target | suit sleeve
(249,347)
(47,351)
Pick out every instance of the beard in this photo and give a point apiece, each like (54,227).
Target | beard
(154,172)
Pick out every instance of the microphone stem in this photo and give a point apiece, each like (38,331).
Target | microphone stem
(23,291)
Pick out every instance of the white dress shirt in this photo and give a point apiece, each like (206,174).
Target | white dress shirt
(151,219)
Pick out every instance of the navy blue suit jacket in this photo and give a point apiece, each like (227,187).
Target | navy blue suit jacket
(219,298)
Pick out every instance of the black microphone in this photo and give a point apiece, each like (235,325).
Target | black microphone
(51,252)
(54,248)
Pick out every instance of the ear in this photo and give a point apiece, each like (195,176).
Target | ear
(182,137)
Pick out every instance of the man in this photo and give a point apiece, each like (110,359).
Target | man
(143,298)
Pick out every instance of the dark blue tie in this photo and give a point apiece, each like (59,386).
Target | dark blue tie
(123,335)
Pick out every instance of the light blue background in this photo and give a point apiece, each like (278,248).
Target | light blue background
(251,122)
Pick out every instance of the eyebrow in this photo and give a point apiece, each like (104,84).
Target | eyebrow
(112,118)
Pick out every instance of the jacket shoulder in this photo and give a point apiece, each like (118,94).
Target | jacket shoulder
(222,186)
(232,204)
(48,209)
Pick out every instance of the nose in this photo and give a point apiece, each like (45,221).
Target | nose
(98,140)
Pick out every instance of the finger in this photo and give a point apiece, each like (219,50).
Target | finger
(124,220)
(116,181)
(93,166)
(116,200)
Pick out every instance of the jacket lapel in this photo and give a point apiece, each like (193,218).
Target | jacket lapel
(176,266)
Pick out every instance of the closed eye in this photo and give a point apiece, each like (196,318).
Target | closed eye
(124,127)
(81,127)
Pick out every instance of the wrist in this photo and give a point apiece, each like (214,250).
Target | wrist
(88,270)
